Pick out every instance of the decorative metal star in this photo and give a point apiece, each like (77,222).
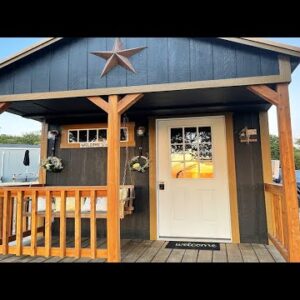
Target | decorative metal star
(117,56)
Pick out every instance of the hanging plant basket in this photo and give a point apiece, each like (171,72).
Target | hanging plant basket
(139,164)
(53,164)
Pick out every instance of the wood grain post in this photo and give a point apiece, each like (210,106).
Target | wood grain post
(93,224)
(19,234)
(288,174)
(113,181)
(33,223)
(48,223)
(5,223)
(62,225)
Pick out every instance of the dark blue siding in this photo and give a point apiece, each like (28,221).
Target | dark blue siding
(139,62)
(40,73)
(248,63)
(69,65)
(7,83)
(157,60)
(78,64)
(22,78)
(59,67)
(179,59)
(224,60)
(95,63)
(201,59)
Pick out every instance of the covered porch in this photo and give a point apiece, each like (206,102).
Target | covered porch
(280,200)
(147,251)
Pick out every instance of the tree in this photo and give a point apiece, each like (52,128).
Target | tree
(274,143)
(275,152)
(32,138)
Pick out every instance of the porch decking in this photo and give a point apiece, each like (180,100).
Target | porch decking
(155,251)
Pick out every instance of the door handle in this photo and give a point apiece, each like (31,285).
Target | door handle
(161,186)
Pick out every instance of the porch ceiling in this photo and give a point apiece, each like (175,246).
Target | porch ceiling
(159,103)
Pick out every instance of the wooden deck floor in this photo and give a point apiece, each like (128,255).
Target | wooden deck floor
(155,251)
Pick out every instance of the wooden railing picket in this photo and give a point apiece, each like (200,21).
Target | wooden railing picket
(5,222)
(19,233)
(48,223)
(33,222)
(62,226)
(77,223)
(93,227)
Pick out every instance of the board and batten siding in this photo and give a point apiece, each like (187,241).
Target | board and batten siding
(250,184)
(68,64)
(87,167)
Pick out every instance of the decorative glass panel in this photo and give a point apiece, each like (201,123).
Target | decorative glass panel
(73,136)
(191,152)
(176,135)
(206,169)
(92,135)
(190,134)
(102,135)
(177,169)
(191,170)
(124,134)
(176,152)
(82,136)
(205,145)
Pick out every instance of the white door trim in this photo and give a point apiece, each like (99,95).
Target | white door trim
(157,120)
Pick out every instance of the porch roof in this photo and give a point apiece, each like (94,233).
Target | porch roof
(158,103)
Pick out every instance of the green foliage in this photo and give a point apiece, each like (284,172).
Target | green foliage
(274,143)
(32,138)
(275,153)
(297,159)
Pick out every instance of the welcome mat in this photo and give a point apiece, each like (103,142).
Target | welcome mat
(193,245)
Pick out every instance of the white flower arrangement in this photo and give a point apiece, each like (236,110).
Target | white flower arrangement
(52,164)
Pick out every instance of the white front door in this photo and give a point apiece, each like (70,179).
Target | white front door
(192,174)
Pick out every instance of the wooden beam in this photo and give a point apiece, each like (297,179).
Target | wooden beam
(267,166)
(288,173)
(93,224)
(19,233)
(43,152)
(152,179)
(100,102)
(6,201)
(77,224)
(33,223)
(4,106)
(48,223)
(128,101)
(235,227)
(265,92)
(62,225)
(113,181)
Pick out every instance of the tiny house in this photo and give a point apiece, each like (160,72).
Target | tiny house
(154,138)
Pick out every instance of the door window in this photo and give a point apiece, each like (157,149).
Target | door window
(191,152)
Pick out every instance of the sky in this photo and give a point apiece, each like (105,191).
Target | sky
(15,125)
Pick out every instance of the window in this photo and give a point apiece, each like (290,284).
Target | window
(191,152)
(93,135)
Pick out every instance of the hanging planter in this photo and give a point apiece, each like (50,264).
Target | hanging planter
(53,164)
(139,163)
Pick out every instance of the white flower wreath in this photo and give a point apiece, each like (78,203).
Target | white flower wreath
(52,164)
(139,163)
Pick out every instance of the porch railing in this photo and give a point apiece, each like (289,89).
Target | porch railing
(279,237)
(17,221)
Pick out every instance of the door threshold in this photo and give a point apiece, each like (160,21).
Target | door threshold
(193,239)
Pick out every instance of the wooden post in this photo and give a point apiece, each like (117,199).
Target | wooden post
(113,181)
(114,108)
(288,173)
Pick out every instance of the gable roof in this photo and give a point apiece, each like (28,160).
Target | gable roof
(255,42)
